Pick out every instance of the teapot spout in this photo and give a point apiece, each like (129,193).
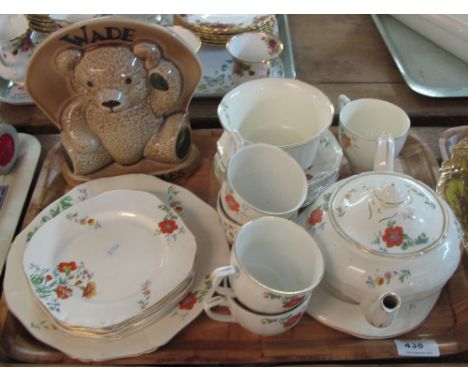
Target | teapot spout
(383,311)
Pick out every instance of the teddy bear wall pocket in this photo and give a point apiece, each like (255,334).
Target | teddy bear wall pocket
(118,90)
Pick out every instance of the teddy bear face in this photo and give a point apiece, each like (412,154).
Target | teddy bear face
(111,78)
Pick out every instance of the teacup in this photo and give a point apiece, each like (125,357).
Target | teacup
(283,112)
(362,122)
(262,180)
(15,47)
(259,323)
(274,266)
(252,53)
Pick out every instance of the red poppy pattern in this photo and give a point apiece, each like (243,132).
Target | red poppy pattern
(232,203)
(393,236)
(287,302)
(168,226)
(188,302)
(69,278)
(194,297)
(315,217)
(293,320)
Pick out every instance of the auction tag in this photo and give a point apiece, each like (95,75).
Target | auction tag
(417,348)
(3,192)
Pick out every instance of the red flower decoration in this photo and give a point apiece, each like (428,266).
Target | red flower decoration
(315,217)
(48,278)
(188,302)
(393,236)
(293,302)
(90,290)
(293,320)
(232,203)
(63,292)
(168,226)
(67,267)
(345,141)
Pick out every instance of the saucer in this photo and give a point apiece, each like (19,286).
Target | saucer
(347,317)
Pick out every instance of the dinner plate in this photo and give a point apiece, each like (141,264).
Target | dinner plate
(109,258)
(212,252)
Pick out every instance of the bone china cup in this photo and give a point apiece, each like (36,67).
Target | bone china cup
(283,112)
(15,47)
(362,122)
(274,266)
(259,323)
(262,180)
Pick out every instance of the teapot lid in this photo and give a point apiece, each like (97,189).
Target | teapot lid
(388,214)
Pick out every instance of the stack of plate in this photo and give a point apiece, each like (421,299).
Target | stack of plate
(217,29)
(111,265)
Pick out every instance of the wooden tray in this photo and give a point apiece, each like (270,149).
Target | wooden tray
(213,343)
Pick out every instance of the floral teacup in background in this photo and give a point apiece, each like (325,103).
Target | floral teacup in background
(15,47)
(253,53)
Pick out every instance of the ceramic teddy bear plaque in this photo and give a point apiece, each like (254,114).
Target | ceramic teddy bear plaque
(119,91)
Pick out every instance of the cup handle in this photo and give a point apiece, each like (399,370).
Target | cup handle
(220,274)
(218,301)
(385,153)
(343,100)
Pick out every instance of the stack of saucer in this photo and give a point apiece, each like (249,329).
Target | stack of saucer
(217,29)
(111,265)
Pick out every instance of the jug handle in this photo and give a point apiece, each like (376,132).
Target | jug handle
(343,100)
(385,153)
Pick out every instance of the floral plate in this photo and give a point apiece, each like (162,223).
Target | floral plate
(224,23)
(109,258)
(212,252)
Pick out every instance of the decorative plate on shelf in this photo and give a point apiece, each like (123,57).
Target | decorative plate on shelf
(224,23)
(109,258)
(212,251)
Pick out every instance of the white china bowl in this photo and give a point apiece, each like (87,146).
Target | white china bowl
(283,112)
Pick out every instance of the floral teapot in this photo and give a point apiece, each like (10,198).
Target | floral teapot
(388,241)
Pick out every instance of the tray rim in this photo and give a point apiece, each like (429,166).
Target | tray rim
(434,92)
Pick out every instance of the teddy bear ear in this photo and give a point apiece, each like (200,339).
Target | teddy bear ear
(166,82)
(148,52)
(67,59)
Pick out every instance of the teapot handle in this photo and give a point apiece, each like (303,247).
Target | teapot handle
(384,153)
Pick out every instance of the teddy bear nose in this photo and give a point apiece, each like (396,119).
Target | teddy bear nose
(111,104)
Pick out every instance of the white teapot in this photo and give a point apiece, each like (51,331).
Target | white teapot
(388,242)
